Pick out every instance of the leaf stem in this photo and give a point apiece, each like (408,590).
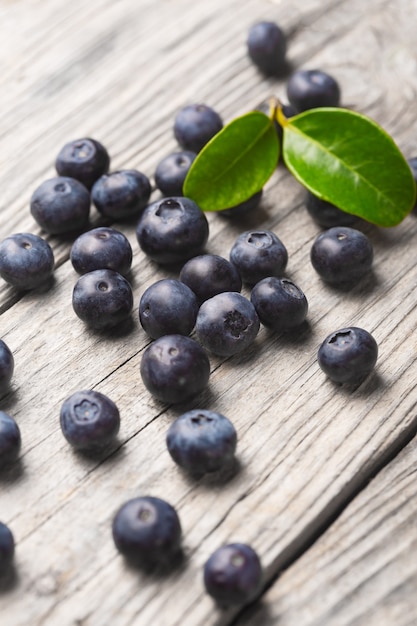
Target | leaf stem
(279,115)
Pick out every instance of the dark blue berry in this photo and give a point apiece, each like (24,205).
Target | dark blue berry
(195,125)
(348,355)
(279,303)
(267,47)
(202,441)
(243,208)
(102,298)
(61,205)
(147,531)
(172,230)
(83,159)
(342,255)
(6,365)
(227,323)
(26,260)
(326,214)
(168,307)
(10,440)
(309,89)
(171,172)
(6,548)
(122,194)
(89,420)
(233,574)
(210,274)
(175,368)
(258,254)
(101,248)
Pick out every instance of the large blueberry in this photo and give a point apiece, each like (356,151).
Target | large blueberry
(6,365)
(202,441)
(348,355)
(10,439)
(175,368)
(171,172)
(61,205)
(89,420)
(327,214)
(147,531)
(121,194)
(83,159)
(309,89)
(101,248)
(227,323)
(172,230)
(258,254)
(267,47)
(195,125)
(6,548)
(102,298)
(279,303)
(210,274)
(168,307)
(233,574)
(26,260)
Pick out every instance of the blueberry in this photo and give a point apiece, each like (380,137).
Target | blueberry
(210,274)
(101,248)
(326,214)
(61,205)
(6,548)
(413,166)
(308,89)
(202,441)
(102,298)
(279,303)
(168,307)
(10,440)
(243,208)
(348,355)
(171,172)
(147,531)
(172,230)
(342,255)
(258,254)
(233,574)
(83,159)
(175,368)
(267,47)
(122,194)
(227,323)
(195,125)
(6,365)
(26,260)
(89,420)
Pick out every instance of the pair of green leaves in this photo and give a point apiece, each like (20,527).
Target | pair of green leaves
(339,155)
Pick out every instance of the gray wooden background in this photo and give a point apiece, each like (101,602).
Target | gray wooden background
(326,490)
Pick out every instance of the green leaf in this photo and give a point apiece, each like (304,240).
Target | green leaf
(235,164)
(347,159)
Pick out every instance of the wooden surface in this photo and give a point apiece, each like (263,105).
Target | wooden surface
(119,71)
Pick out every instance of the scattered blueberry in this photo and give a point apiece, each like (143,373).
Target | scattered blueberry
(195,125)
(83,159)
(342,255)
(233,574)
(202,441)
(308,89)
(6,548)
(168,307)
(258,254)
(210,274)
(175,368)
(89,420)
(6,365)
(147,531)
(171,172)
(243,208)
(279,303)
(102,298)
(326,214)
(26,260)
(348,355)
(122,194)
(101,248)
(227,323)
(61,205)
(267,47)
(10,440)
(172,230)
